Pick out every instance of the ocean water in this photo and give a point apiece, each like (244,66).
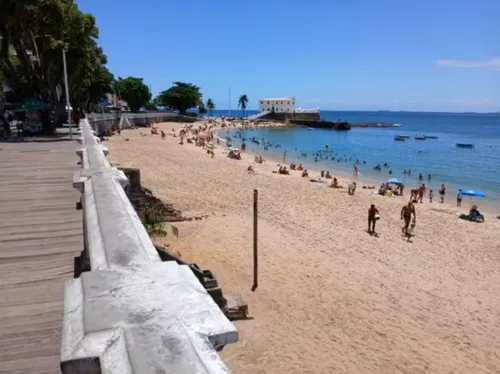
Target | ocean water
(477,168)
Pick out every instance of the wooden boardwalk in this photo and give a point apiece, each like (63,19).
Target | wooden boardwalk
(40,233)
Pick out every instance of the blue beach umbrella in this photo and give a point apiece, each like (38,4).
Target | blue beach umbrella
(395,180)
(471,192)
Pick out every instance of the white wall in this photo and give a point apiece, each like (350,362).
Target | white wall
(285,105)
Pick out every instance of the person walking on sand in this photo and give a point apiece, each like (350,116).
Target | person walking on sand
(431,195)
(459,198)
(421,193)
(442,192)
(373,216)
(406,213)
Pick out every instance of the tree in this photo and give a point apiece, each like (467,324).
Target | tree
(151,106)
(243,103)
(210,106)
(133,91)
(181,97)
(201,108)
(34,33)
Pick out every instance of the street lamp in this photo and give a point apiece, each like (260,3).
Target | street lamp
(68,105)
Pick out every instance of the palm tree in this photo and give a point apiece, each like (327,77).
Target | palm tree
(210,106)
(243,103)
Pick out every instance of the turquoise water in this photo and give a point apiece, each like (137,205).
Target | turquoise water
(477,168)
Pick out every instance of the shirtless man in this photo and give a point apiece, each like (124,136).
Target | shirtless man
(372,218)
(406,213)
(421,193)
(442,192)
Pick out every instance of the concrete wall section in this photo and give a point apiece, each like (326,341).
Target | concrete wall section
(133,313)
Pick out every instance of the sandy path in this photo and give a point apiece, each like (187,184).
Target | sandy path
(331,299)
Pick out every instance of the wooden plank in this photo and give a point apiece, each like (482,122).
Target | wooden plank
(40,233)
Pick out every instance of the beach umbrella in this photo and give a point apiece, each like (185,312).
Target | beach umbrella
(395,180)
(471,192)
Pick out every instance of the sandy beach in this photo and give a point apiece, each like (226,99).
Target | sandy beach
(331,297)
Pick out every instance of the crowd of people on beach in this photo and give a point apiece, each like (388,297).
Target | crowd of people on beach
(202,136)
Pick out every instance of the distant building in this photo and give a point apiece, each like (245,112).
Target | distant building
(280,105)
(113,100)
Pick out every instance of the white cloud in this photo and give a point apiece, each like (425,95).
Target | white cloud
(492,64)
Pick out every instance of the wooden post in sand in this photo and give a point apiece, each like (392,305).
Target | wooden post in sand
(255,253)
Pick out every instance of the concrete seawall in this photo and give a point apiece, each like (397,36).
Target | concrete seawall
(283,117)
(102,123)
(129,312)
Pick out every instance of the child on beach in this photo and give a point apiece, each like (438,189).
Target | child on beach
(431,195)
(410,230)
(459,198)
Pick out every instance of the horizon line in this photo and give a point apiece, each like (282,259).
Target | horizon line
(380,110)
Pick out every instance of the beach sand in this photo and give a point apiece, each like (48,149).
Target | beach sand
(331,297)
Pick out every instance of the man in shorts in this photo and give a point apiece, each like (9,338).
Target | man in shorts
(421,193)
(372,218)
(406,213)
(442,192)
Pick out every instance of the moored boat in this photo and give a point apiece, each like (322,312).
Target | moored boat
(419,137)
(403,136)
(398,139)
(430,137)
(465,145)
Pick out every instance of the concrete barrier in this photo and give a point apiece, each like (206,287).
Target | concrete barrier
(129,312)
(101,123)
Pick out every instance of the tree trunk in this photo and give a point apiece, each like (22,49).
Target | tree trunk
(47,123)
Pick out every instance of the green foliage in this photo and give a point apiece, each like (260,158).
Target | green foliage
(243,103)
(181,97)
(201,108)
(133,91)
(210,106)
(152,219)
(150,106)
(37,31)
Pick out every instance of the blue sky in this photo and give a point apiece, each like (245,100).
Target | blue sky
(440,55)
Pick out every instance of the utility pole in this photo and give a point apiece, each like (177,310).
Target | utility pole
(67,91)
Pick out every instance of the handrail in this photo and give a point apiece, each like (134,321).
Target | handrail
(131,312)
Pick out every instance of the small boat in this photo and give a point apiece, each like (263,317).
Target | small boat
(310,128)
(465,145)
(430,137)
(419,137)
(403,136)
(399,139)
